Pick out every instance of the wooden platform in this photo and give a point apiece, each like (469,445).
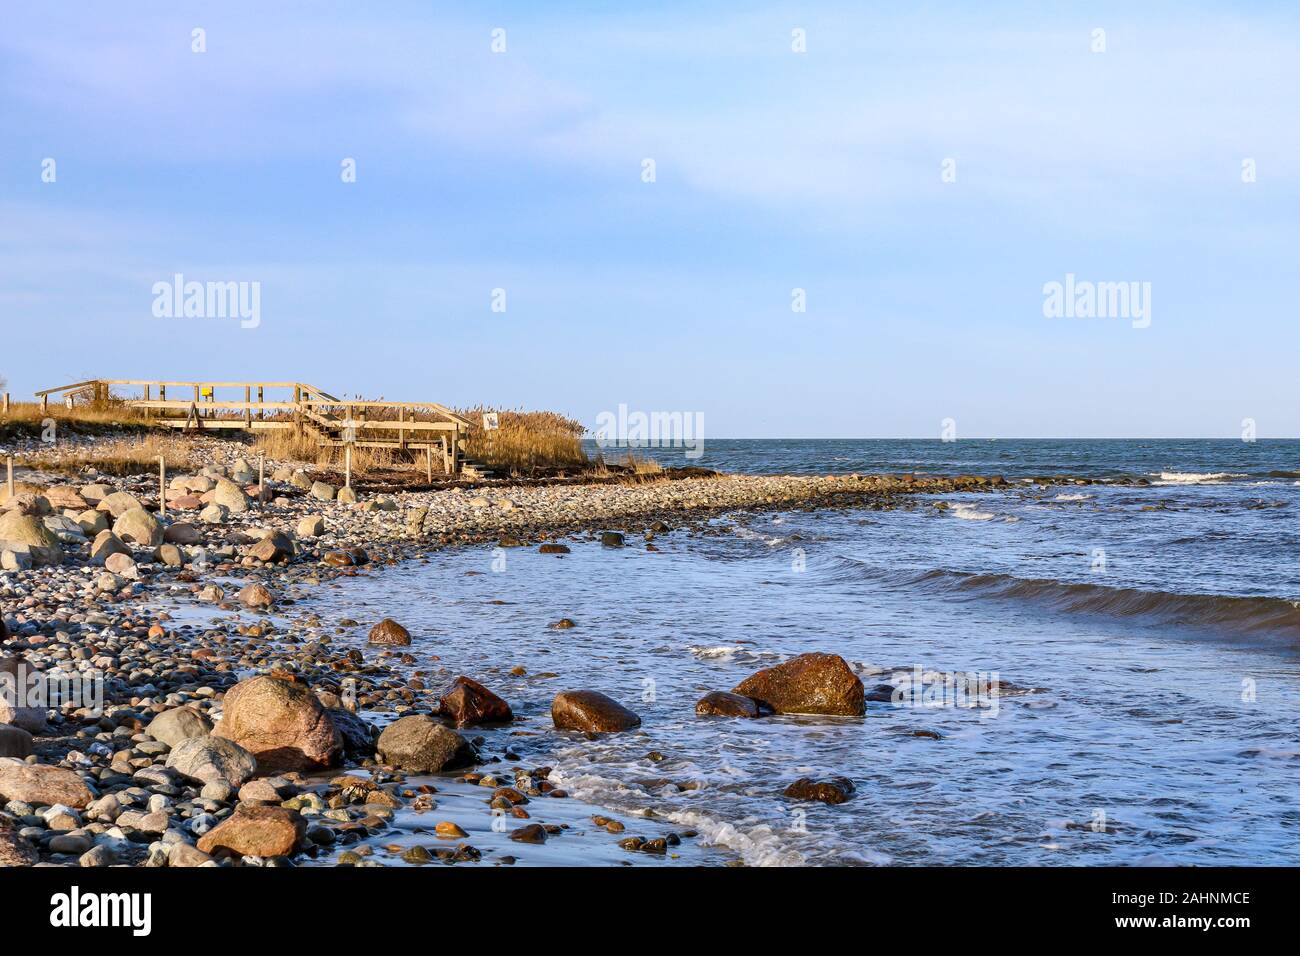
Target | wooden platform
(262,406)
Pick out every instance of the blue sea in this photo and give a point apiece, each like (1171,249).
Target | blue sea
(1146,639)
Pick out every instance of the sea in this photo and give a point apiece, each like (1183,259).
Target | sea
(1144,640)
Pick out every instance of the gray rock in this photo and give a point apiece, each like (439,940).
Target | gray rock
(206,759)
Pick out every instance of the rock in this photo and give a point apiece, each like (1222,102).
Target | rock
(834,790)
(449,830)
(552,548)
(254,595)
(65,529)
(41,784)
(230,496)
(72,844)
(311,526)
(468,703)
(31,531)
(65,498)
(344,496)
(177,725)
(121,564)
(182,532)
(15,849)
(532,833)
(117,503)
(719,703)
(92,522)
(389,632)
(282,724)
(807,684)
(208,759)
(170,555)
(96,493)
(420,744)
(321,491)
(140,527)
(276,546)
(358,735)
(611,539)
(301,481)
(592,712)
(106,543)
(256,831)
(15,557)
(14,741)
(181,854)
(213,514)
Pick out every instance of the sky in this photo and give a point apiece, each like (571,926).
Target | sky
(921,172)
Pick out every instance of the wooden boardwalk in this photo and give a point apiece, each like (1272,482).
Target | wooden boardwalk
(264,406)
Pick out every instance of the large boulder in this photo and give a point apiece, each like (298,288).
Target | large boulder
(256,831)
(211,759)
(179,724)
(592,712)
(117,503)
(255,595)
(230,496)
(420,744)
(282,724)
(390,632)
(42,785)
(807,684)
(468,703)
(106,543)
(30,531)
(140,527)
(358,735)
(65,498)
(322,491)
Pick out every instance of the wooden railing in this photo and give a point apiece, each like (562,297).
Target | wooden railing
(308,409)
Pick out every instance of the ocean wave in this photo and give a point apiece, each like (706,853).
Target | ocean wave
(1245,614)
(968,512)
(1197,477)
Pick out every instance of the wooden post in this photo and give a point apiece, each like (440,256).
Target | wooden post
(147,412)
(248,409)
(428,462)
(261,412)
(261,480)
(347,467)
(297,412)
(162,486)
(401,432)
(198,412)
(45,404)
(10,467)
(6,403)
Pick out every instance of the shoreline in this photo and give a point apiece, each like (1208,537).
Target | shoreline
(120,613)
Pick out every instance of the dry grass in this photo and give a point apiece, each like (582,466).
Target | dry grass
(287,445)
(109,414)
(124,456)
(526,443)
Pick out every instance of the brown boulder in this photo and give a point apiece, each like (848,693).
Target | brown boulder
(420,744)
(254,595)
(274,547)
(283,725)
(256,831)
(468,703)
(718,703)
(41,784)
(807,684)
(389,632)
(591,711)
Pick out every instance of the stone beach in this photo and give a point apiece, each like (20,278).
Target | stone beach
(249,738)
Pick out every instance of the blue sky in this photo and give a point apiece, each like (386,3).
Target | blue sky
(774,170)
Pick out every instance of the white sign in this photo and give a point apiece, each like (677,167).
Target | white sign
(490,422)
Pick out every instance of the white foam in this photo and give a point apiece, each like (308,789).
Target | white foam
(968,512)
(1196,477)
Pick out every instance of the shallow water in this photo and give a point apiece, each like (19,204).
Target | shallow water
(1158,723)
